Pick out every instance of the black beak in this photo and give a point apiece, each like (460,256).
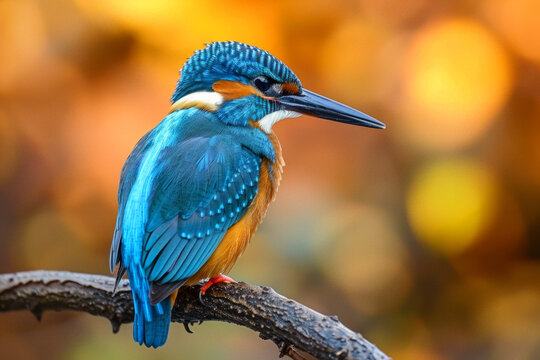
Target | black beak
(310,103)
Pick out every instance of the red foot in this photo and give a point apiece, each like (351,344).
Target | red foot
(215,280)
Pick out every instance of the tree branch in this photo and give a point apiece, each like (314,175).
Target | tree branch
(292,326)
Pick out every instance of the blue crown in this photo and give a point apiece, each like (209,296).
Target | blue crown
(229,60)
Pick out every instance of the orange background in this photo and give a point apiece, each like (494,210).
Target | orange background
(424,237)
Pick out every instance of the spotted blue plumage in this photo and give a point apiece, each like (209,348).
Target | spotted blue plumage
(189,180)
(212,193)
(183,186)
(195,175)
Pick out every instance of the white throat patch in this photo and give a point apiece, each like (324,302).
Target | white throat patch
(269,120)
(205,100)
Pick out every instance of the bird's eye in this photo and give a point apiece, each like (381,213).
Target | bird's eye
(262,83)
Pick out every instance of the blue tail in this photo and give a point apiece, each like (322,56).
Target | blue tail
(151,323)
(153,332)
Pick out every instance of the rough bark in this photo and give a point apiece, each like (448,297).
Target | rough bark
(296,329)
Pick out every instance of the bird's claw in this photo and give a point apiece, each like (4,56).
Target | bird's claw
(212,281)
(186,326)
(201,297)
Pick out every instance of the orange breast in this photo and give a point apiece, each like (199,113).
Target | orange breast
(235,240)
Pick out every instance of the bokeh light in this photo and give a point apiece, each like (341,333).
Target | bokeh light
(424,237)
(450,203)
(456,79)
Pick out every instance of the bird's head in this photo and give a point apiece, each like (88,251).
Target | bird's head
(244,85)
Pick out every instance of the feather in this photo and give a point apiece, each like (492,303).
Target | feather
(185,185)
(159,292)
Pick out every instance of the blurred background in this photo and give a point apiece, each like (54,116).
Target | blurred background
(424,237)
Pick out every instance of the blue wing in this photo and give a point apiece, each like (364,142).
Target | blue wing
(204,186)
(127,178)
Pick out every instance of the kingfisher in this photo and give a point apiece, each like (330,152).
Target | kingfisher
(194,189)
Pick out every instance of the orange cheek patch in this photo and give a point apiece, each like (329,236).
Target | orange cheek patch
(290,88)
(231,90)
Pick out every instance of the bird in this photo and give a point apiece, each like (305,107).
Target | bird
(195,187)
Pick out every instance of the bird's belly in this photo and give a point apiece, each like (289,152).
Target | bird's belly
(238,236)
(230,248)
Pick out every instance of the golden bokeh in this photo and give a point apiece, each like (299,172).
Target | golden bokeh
(456,79)
(517,21)
(422,236)
(449,204)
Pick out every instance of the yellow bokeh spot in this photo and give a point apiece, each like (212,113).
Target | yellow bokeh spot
(450,203)
(456,79)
